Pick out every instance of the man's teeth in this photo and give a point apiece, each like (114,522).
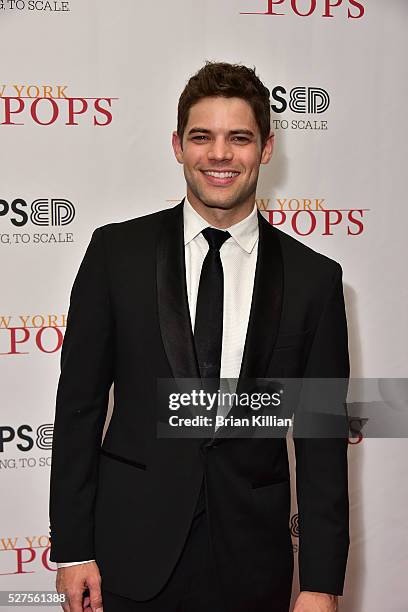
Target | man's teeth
(222,175)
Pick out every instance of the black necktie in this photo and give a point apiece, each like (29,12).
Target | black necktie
(209,309)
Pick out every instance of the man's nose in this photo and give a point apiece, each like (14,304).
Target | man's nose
(219,150)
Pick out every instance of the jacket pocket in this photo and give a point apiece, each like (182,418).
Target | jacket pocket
(262,485)
(115,457)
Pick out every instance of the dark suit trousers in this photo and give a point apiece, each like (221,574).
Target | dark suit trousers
(192,586)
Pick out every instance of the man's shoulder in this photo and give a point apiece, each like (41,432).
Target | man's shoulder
(145,224)
(303,257)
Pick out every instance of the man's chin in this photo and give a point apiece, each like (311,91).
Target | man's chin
(226,205)
(220,202)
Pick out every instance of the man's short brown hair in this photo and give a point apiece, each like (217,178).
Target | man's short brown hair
(228,81)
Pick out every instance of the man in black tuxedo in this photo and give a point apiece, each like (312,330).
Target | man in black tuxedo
(205,289)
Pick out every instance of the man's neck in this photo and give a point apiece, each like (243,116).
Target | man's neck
(219,217)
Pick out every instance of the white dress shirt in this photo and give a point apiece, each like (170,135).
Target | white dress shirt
(238,256)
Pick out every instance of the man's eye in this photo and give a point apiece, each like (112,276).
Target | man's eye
(242,138)
(199,137)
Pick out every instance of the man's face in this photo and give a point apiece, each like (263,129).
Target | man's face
(221,136)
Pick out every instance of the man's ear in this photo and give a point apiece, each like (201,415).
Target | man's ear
(268,148)
(177,148)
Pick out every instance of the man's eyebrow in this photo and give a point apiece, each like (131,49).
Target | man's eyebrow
(201,130)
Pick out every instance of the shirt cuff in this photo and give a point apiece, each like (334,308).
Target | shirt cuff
(73,563)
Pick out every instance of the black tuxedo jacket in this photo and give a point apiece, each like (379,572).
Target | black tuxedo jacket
(129,502)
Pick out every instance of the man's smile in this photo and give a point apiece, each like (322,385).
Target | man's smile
(217,177)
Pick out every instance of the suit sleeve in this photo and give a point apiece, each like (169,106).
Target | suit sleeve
(81,406)
(321,463)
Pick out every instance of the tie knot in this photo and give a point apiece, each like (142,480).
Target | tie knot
(215,237)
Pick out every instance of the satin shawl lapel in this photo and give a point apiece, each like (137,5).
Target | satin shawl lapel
(266,305)
(174,314)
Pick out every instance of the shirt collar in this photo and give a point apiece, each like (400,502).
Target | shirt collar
(245,232)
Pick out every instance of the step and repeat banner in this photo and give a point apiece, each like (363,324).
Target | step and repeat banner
(88,102)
